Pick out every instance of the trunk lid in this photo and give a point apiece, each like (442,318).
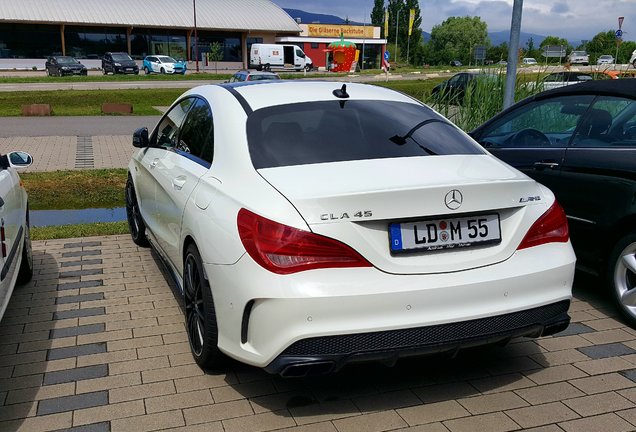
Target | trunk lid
(355,201)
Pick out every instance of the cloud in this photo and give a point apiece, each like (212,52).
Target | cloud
(573,19)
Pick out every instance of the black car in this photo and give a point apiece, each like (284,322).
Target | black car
(454,89)
(119,62)
(580,141)
(64,65)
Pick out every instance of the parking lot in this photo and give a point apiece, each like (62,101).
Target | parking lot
(96,342)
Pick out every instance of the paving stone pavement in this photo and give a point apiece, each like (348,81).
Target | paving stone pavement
(52,153)
(96,342)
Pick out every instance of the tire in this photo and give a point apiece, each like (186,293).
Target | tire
(25,273)
(634,64)
(59,73)
(136,224)
(163,71)
(621,276)
(146,70)
(200,315)
(104,71)
(307,68)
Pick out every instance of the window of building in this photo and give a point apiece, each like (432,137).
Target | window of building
(29,41)
(314,45)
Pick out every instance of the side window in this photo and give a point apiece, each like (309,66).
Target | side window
(538,124)
(455,80)
(166,133)
(196,134)
(610,122)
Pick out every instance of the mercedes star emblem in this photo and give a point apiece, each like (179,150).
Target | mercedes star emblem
(453,199)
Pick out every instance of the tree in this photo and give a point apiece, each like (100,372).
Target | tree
(625,51)
(400,9)
(497,53)
(215,54)
(531,51)
(377,15)
(455,38)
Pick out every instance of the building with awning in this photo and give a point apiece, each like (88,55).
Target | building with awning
(86,29)
(314,40)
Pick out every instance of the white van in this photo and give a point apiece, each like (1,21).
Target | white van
(272,56)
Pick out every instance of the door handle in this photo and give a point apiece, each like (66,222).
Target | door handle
(178,182)
(154,163)
(545,164)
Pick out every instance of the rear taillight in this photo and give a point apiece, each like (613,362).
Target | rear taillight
(283,249)
(552,226)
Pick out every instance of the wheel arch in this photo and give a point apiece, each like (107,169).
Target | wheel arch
(622,228)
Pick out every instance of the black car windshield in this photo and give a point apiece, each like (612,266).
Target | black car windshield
(166,59)
(66,60)
(336,131)
(121,57)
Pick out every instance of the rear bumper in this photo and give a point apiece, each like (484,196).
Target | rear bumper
(330,353)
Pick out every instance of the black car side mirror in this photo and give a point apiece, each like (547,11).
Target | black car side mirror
(140,138)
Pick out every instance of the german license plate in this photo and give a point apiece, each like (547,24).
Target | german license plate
(448,233)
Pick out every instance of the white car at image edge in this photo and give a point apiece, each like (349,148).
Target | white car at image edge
(313,224)
(16,257)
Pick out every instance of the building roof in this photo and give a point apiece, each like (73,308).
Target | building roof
(211,14)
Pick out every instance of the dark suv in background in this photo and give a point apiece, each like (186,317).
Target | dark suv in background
(119,62)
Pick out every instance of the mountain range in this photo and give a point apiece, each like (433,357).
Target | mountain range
(496,38)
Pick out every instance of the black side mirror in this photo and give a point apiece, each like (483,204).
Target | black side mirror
(140,138)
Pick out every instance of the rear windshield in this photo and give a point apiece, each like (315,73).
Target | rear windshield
(335,131)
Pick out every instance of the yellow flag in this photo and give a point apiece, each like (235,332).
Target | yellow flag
(386,23)
(411,20)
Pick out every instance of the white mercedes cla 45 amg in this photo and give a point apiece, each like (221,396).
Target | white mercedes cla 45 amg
(313,224)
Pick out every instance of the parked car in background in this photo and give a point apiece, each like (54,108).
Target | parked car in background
(605,59)
(579,57)
(580,141)
(632,59)
(528,61)
(561,79)
(455,88)
(248,75)
(119,62)
(426,243)
(16,257)
(455,63)
(282,57)
(163,65)
(64,65)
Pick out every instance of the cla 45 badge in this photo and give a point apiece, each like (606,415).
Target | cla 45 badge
(339,216)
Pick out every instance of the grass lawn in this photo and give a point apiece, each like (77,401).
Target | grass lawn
(81,230)
(88,102)
(75,189)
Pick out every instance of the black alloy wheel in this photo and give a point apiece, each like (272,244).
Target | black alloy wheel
(163,71)
(25,273)
(135,221)
(200,315)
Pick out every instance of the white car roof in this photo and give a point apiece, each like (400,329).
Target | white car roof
(261,94)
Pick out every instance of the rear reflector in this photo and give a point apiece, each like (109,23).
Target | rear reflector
(283,249)
(551,227)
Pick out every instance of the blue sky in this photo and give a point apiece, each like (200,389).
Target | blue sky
(573,19)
